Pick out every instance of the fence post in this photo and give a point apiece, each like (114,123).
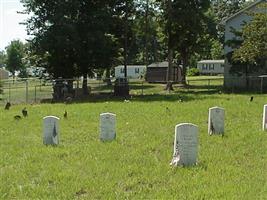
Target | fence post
(27,92)
(35,94)
(208,84)
(142,88)
(9,92)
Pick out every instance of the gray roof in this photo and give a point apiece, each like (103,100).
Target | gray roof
(211,61)
(161,64)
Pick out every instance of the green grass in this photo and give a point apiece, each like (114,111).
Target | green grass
(136,164)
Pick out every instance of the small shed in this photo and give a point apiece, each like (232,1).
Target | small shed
(133,71)
(4,74)
(211,67)
(157,73)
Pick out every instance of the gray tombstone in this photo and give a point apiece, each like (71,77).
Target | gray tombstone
(264,118)
(216,121)
(185,145)
(107,126)
(51,130)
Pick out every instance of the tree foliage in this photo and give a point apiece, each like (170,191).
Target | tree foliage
(15,54)
(253,49)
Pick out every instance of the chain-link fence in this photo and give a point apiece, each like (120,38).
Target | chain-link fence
(38,90)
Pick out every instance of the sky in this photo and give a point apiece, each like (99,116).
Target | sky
(10,28)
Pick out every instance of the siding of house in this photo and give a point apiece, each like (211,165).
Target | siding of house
(236,22)
(133,71)
(211,67)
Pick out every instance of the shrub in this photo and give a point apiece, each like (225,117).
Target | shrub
(193,72)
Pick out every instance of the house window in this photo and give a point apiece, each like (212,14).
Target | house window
(211,66)
(136,70)
(122,70)
(204,66)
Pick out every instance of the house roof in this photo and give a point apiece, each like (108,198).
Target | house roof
(210,61)
(130,66)
(243,10)
(161,64)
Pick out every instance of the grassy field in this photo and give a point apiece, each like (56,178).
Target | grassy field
(136,164)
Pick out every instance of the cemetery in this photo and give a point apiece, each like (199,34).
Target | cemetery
(154,127)
(154,147)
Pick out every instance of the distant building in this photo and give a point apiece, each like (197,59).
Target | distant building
(236,22)
(157,73)
(133,71)
(211,67)
(4,74)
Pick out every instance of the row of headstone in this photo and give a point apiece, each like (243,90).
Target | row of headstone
(51,128)
(186,138)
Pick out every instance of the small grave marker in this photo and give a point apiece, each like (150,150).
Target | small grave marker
(264,118)
(107,126)
(216,121)
(51,130)
(185,145)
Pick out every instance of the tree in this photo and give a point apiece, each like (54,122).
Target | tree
(72,36)
(224,9)
(253,49)
(2,59)
(250,47)
(185,21)
(15,53)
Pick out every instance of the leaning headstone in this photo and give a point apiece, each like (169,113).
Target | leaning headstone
(185,145)
(107,126)
(216,121)
(264,119)
(51,130)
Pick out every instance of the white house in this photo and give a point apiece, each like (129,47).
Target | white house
(133,71)
(236,22)
(211,66)
(4,74)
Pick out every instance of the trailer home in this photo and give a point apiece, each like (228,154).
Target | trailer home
(133,71)
(211,67)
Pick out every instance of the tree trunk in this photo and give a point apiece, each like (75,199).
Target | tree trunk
(170,49)
(125,39)
(85,88)
(184,56)
(169,71)
(108,80)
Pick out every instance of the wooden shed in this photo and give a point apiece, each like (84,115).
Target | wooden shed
(157,73)
(4,74)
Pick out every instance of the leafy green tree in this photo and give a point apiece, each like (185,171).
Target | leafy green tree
(185,21)
(15,54)
(253,49)
(2,59)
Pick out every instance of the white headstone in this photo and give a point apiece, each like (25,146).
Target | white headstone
(264,119)
(185,145)
(51,130)
(216,121)
(107,126)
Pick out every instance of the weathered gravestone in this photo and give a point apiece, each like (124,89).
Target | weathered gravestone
(216,121)
(185,145)
(264,119)
(51,130)
(107,126)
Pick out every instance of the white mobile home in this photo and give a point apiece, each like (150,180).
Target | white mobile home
(211,66)
(133,71)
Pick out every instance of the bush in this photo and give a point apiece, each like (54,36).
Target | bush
(193,72)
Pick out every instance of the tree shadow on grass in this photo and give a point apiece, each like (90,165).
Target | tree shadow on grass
(177,96)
